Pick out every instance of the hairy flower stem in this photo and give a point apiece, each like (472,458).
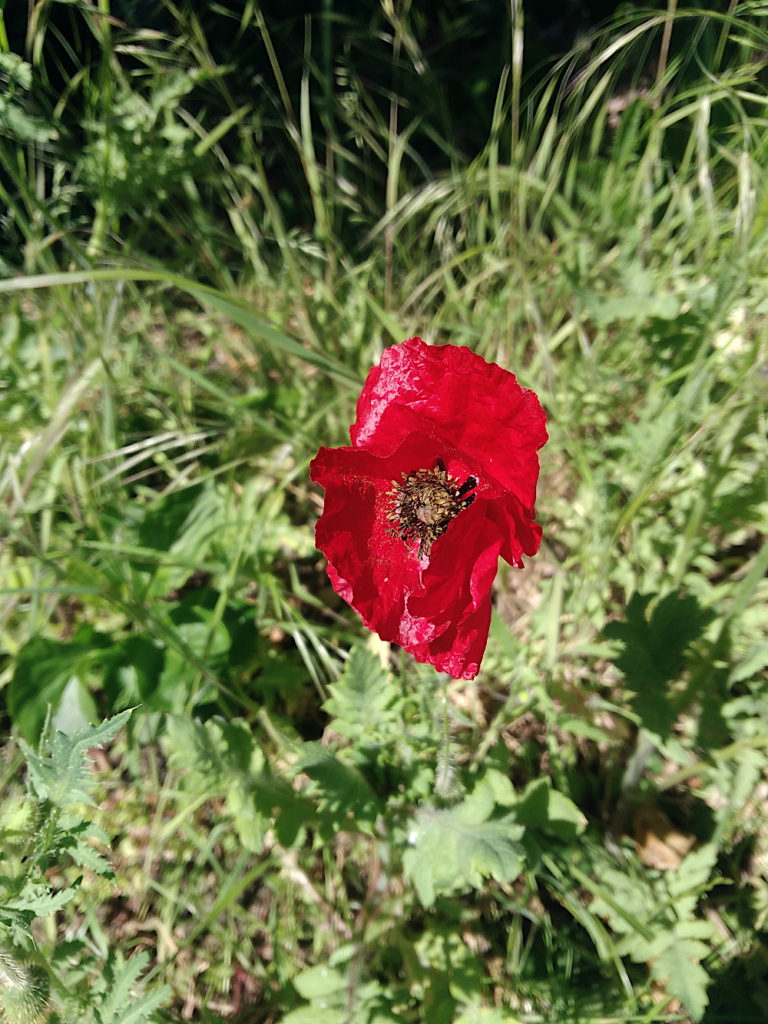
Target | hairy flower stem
(446,722)
(23,990)
(447,785)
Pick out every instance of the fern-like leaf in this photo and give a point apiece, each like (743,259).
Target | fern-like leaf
(58,771)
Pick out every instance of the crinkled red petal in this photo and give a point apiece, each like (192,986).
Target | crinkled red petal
(458,600)
(421,407)
(454,396)
(439,607)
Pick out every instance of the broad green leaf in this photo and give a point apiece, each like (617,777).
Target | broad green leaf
(313,1015)
(459,847)
(503,790)
(547,810)
(318,982)
(446,952)
(678,967)
(486,1015)
(76,708)
(44,670)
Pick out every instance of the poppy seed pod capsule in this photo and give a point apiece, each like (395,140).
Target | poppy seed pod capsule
(439,480)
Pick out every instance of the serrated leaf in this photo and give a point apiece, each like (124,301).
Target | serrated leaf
(654,650)
(124,977)
(87,857)
(693,872)
(679,969)
(36,900)
(250,825)
(344,793)
(697,928)
(210,753)
(218,756)
(60,772)
(123,1005)
(461,846)
(140,1008)
(361,700)
(626,901)
(753,662)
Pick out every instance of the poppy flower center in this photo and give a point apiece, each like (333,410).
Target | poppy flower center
(426,503)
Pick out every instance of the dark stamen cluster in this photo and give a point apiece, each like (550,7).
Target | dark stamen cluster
(426,503)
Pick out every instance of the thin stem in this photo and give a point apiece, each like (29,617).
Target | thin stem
(446,723)
(447,785)
(664,52)
(645,747)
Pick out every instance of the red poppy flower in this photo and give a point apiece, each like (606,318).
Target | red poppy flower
(440,479)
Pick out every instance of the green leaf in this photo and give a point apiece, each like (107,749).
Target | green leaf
(361,701)
(678,967)
(45,671)
(211,753)
(122,981)
(753,662)
(641,299)
(654,653)
(445,952)
(140,1009)
(221,757)
(22,126)
(76,708)
(343,792)
(319,982)
(312,1015)
(251,826)
(547,810)
(694,871)
(122,1004)
(87,857)
(36,900)
(132,673)
(486,1015)
(461,846)
(60,772)
(627,901)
